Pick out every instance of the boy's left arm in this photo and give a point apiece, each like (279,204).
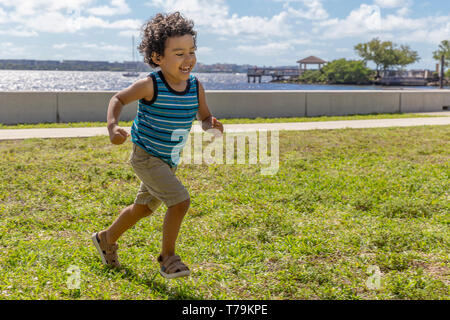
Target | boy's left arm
(204,115)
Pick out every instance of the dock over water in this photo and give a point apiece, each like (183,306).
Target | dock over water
(275,73)
(279,73)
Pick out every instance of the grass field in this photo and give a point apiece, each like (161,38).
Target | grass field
(230,121)
(343,203)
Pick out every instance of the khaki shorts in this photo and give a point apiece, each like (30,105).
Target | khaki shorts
(158,181)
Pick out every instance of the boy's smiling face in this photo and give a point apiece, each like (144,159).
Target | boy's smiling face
(178,59)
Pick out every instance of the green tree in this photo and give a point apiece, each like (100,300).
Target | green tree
(374,51)
(443,50)
(344,71)
(313,76)
(386,54)
(405,56)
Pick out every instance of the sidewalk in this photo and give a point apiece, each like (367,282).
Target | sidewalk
(18,134)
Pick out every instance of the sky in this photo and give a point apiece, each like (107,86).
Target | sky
(255,32)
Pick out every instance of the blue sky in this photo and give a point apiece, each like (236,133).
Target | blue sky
(256,32)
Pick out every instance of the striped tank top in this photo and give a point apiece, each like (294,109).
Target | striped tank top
(162,125)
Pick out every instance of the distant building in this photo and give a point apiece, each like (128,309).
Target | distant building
(79,65)
(406,77)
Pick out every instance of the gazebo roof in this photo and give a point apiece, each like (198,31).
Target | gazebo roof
(312,60)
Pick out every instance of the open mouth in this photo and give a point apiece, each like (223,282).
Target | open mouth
(185,69)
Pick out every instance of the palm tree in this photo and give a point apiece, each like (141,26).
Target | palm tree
(444,50)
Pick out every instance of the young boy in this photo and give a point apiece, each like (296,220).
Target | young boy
(169,101)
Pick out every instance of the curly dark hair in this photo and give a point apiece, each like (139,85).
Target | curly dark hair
(156,31)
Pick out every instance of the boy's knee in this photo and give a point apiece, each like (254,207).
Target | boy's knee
(186,203)
(183,206)
(142,210)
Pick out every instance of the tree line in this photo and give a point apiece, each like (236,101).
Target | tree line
(384,54)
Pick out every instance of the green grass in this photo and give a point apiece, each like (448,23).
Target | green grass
(341,202)
(228,121)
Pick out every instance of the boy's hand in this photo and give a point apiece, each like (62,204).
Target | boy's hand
(117,135)
(216,124)
(212,123)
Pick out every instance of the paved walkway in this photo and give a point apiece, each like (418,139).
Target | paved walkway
(444,119)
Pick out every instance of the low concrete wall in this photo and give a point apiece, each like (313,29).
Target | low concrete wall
(253,104)
(27,107)
(340,103)
(89,106)
(39,107)
(425,101)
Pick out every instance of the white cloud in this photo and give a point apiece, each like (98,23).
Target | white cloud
(19,33)
(404,11)
(102,46)
(117,7)
(125,24)
(313,52)
(268,49)
(214,16)
(129,33)
(58,16)
(404,6)
(365,19)
(343,50)
(3,16)
(398,23)
(315,10)
(432,35)
(298,29)
(204,50)
(203,12)
(392,3)
(32,7)
(9,50)
(60,45)
(254,26)
(56,22)
(94,47)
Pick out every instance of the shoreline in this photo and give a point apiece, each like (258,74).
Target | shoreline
(430,84)
(95,81)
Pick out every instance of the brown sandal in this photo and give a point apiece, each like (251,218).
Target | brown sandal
(172,267)
(108,252)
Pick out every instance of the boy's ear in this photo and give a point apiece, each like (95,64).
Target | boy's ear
(156,58)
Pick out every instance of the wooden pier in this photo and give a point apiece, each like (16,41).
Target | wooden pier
(275,73)
(284,72)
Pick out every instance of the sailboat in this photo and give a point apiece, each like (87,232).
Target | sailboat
(132,73)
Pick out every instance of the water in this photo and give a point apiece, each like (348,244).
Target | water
(22,80)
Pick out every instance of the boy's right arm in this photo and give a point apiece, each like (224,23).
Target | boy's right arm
(140,89)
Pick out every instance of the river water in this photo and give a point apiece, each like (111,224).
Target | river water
(23,80)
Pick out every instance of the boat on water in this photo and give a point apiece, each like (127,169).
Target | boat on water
(132,73)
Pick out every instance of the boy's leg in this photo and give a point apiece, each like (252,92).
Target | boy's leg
(171,227)
(160,182)
(127,218)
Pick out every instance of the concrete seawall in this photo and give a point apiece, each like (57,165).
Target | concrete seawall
(39,107)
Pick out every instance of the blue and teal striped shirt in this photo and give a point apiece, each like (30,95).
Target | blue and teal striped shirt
(162,125)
